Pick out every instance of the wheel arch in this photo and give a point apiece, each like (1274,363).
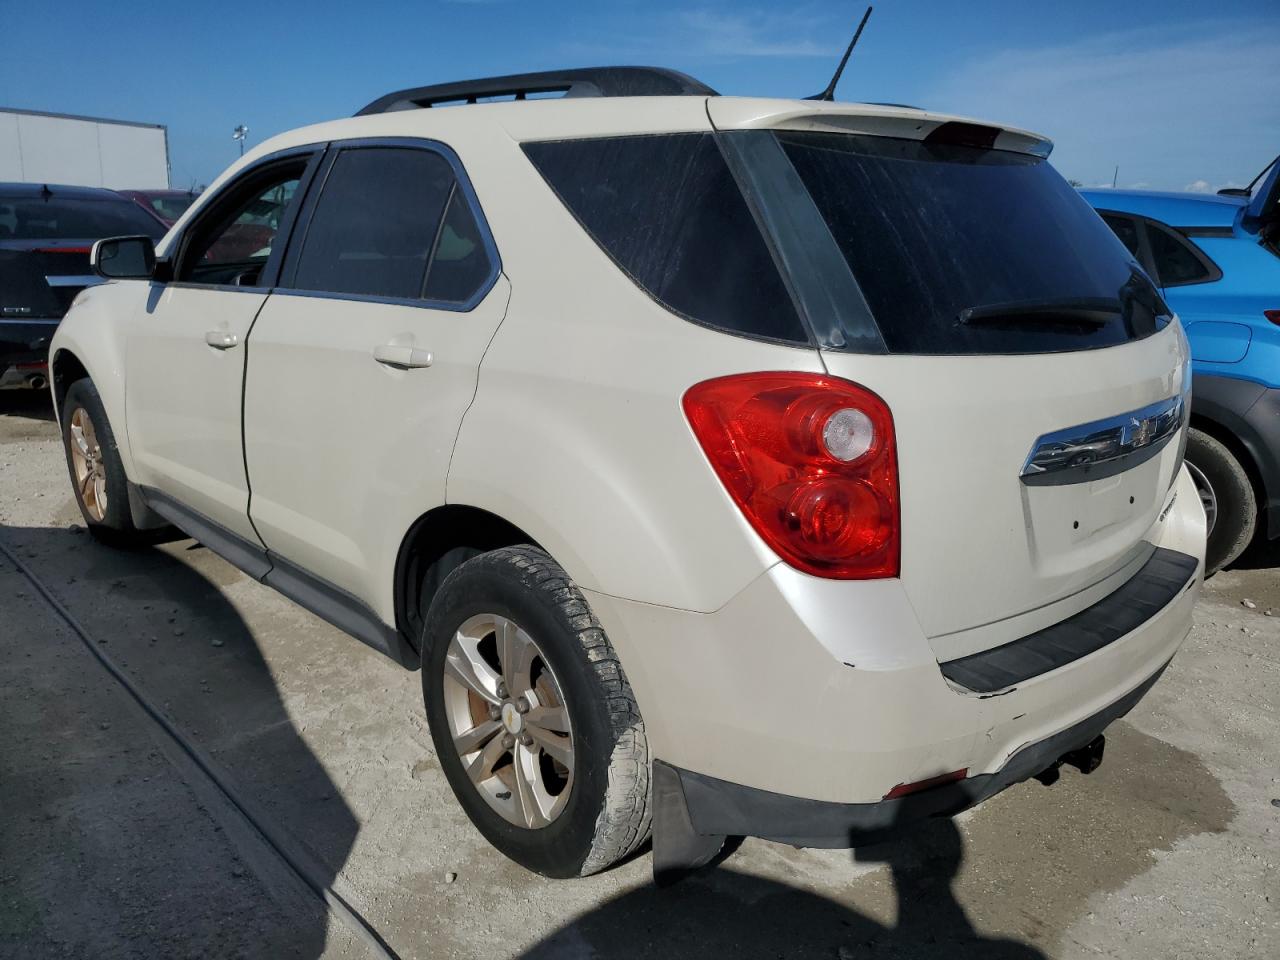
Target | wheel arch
(1236,412)
(65,368)
(434,545)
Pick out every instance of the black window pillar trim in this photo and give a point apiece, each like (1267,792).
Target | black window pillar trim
(826,295)
(306,211)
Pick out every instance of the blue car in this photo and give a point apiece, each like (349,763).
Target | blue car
(1217,261)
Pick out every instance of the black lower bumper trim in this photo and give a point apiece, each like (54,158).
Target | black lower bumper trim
(719,808)
(1161,579)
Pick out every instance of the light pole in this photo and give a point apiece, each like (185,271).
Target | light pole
(239,133)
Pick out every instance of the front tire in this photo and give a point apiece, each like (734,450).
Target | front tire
(1230,504)
(93,461)
(533,720)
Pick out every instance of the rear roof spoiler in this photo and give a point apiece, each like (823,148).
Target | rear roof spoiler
(585,82)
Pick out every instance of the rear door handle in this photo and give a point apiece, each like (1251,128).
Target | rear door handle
(406,358)
(221,339)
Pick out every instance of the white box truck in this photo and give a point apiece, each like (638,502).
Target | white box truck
(38,147)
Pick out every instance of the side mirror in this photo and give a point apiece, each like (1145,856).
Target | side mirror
(124,258)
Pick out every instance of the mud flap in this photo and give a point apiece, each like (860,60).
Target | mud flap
(678,849)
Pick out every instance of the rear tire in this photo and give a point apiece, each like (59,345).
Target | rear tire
(1231,506)
(93,462)
(519,599)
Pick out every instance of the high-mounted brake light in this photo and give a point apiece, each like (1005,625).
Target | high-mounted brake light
(811,461)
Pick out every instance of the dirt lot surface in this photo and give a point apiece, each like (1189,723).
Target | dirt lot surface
(115,843)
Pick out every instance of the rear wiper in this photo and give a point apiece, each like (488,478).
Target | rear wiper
(1088,311)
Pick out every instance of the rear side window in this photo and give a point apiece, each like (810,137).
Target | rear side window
(1175,261)
(960,249)
(375,224)
(1126,230)
(668,211)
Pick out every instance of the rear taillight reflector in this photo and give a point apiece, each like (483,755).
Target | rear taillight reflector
(1273,316)
(906,789)
(62,249)
(811,461)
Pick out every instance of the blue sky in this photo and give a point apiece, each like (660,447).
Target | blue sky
(1178,94)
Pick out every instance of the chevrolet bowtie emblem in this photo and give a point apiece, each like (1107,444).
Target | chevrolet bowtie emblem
(1103,448)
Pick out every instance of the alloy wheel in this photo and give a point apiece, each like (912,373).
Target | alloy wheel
(508,720)
(86,461)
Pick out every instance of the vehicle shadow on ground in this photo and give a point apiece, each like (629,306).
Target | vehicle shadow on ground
(168,882)
(27,404)
(725,913)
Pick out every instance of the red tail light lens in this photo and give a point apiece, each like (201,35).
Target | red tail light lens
(1272,315)
(63,249)
(811,462)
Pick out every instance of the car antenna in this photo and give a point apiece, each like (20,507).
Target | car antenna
(830,92)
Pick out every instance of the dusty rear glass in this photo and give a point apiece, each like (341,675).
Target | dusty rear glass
(959,249)
(857,243)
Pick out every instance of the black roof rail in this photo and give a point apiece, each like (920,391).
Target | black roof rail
(584,82)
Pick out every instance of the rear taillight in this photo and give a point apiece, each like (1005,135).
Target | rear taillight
(811,462)
(62,249)
(1272,315)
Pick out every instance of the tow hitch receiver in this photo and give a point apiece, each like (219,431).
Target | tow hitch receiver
(1086,759)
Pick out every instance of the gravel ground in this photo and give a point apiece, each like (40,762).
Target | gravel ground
(112,844)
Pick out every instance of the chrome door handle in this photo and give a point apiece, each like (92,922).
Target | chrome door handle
(406,358)
(221,339)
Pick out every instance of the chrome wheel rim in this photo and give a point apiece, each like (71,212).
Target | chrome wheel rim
(86,463)
(508,720)
(1208,499)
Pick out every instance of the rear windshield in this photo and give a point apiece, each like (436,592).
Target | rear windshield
(65,218)
(857,243)
(959,249)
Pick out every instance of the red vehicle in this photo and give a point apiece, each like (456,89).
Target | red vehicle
(165,205)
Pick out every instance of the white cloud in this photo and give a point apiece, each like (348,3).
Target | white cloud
(1199,186)
(752,34)
(1167,105)
(747,32)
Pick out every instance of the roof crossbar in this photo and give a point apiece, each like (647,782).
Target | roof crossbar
(584,82)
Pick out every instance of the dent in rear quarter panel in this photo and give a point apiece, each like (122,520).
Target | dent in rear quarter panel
(94,330)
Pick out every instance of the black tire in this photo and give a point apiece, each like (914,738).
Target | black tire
(607,814)
(1215,467)
(116,526)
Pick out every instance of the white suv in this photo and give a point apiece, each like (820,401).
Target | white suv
(730,466)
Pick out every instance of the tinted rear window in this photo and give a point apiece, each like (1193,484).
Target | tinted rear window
(669,213)
(1175,261)
(66,218)
(376,222)
(932,230)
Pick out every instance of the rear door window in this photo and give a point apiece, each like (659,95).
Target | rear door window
(375,224)
(1126,231)
(963,249)
(669,213)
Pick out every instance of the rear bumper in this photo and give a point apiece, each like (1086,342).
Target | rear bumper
(826,695)
(23,341)
(717,807)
